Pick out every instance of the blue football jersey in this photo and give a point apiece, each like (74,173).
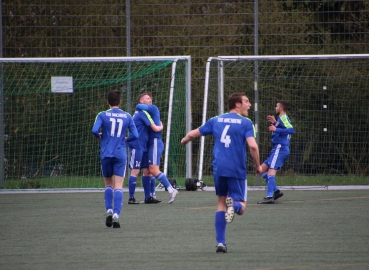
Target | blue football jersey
(155,115)
(230,132)
(284,131)
(113,124)
(142,121)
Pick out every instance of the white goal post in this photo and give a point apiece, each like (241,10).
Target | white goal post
(37,101)
(314,84)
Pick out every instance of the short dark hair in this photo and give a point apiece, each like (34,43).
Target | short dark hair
(235,98)
(143,94)
(285,104)
(114,98)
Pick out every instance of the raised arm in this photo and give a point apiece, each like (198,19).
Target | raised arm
(285,130)
(157,128)
(153,126)
(142,107)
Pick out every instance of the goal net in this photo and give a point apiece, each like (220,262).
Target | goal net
(49,106)
(329,110)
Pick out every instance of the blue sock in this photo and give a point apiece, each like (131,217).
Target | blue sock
(237,206)
(275,186)
(271,185)
(265,176)
(118,201)
(108,197)
(132,182)
(220,227)
(153,185)
(146,186)
(164,180)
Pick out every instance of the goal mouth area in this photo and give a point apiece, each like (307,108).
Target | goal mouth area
(320,88)
(50,105)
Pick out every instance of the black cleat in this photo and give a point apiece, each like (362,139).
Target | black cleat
(277,194)
(109,220)
(267,200)
(221,248)
(157,199)
(116,224)
(152,200)
(132,201)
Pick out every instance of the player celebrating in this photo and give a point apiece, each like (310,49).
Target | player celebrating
(281,135)
(138,149)
(156,147)
(110,128)
(231,131)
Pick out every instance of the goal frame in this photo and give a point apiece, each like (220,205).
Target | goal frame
(175,59)
(255,59)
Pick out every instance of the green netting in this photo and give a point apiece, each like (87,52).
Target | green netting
(48,140)
(329,110)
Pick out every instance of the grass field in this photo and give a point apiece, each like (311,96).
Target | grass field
(303,230)
(97,182)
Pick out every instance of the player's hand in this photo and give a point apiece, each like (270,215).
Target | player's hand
(272,128)
(258,169)
(271,119)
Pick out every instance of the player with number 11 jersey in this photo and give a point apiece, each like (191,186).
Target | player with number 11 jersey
(115,123)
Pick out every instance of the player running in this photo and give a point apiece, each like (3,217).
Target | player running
(231,132)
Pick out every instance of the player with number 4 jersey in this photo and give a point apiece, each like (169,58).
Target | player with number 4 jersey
(231,132)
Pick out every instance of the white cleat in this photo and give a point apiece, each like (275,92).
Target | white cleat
(173,196)
(229,214)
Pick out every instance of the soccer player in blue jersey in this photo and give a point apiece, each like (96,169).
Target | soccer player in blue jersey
(282,130)
(231,132)
(139,155)
(110,128)
(156,148)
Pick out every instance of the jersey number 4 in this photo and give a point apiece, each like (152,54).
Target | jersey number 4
(226,139)
(113,124)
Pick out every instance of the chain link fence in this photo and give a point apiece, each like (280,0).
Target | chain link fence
(198,28)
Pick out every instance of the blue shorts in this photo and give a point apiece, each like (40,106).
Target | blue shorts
(232,187)
(156,148)
(277,157)
(138,159)
(113,166)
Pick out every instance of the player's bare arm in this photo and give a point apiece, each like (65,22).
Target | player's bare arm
(157,128)
(193,134)
(272,128)
(271,119)
(254,150)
